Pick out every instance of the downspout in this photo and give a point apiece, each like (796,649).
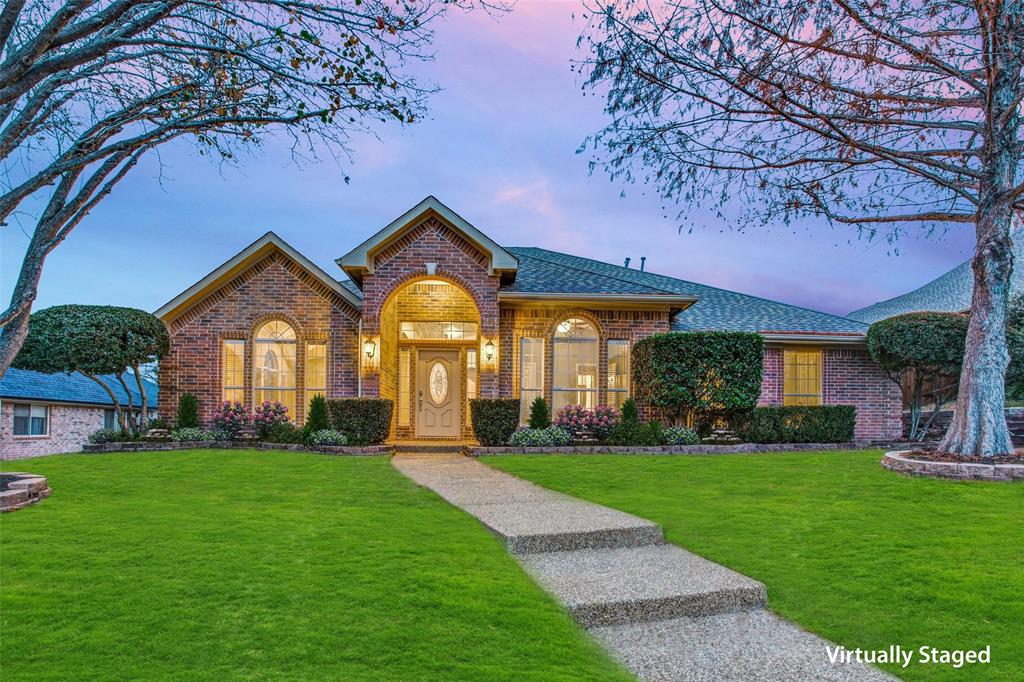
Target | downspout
(359,360)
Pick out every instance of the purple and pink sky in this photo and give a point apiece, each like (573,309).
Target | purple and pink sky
(499,147)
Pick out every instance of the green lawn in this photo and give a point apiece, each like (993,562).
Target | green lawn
(848,550)
(266,565)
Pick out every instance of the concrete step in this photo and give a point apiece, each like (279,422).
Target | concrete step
(641,584)
(430,448)
(752,646)
(563,524)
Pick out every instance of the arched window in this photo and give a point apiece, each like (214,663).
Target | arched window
(274,365)
(575,365)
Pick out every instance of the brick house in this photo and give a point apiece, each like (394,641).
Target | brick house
(433,313)
(43,414)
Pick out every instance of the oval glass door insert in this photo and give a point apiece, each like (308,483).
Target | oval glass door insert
(438,382)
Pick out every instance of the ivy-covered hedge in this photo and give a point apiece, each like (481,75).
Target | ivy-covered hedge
(797,424)
(494,419)
(704,374)
(364,421)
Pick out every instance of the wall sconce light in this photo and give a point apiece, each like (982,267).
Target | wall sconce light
(489,350)
(370,348)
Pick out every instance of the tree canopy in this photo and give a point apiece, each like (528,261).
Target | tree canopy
(94,341)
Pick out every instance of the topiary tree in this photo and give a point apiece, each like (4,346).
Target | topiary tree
(922,353)
(188,411)
(95,340)
(700,374)
(540,418)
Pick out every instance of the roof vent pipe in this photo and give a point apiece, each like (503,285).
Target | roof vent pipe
(627,263)
(643,259)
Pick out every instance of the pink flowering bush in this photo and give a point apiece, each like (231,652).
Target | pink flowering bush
(233,417)
(268,415)
(586,424)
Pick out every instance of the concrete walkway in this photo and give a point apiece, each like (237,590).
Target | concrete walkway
(666,613)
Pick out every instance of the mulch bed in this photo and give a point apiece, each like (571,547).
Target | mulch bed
(934,456)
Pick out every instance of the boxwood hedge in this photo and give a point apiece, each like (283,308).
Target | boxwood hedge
(797,424)
(364,421)
(494,419)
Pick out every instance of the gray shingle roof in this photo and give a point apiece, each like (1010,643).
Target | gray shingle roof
(23,384)
(947,293)
(715,309)
(542,271)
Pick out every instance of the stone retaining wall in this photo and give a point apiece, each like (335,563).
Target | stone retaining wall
(966,471)
(355,450)
(662,450)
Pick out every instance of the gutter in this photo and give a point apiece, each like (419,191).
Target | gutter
(674,300)
(811,339)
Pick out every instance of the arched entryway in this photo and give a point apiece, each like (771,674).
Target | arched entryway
(430,358)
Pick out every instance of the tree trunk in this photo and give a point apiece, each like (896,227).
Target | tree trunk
(979,426)
(113,398)
(144,419)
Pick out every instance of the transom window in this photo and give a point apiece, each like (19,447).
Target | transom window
(801,377)
(274,365)
(31,420)
(575,365)
(444,330)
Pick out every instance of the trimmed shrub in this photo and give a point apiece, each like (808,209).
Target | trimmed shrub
(105,436)
(283,432)
(679,435)
(552,436)
(631,431)
(267,416)
(587,425)
(318,419)
(191,434)
(540,417)
(704,374)
(188,411)
(797,424)
(327,437)
(364,421)
(232,419)
(494,419)
(157,424)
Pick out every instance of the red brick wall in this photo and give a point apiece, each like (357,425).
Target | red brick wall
(850,377)
(274,287)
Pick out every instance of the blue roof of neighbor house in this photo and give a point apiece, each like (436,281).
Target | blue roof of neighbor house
(715,309)
(948,293)
(544,271)
(23,384)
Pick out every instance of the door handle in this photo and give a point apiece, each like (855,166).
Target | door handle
(420,406)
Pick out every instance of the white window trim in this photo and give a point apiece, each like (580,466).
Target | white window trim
(29,436)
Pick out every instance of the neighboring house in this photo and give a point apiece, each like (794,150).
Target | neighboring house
(435,313)
(947,293)
(42,414)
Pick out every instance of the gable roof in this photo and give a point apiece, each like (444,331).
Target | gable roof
(360,259)
(23,384)
(950,292)
(715,309)
(239,263)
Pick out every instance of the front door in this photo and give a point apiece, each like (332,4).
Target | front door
(438,394)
